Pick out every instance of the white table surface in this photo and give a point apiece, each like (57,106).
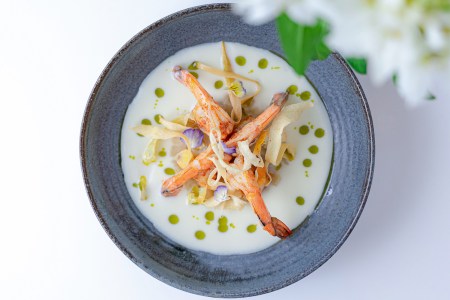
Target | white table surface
(53,247)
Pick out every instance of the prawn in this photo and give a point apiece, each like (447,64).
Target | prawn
(254,128)
(207,113)
(202,165)
(247,183)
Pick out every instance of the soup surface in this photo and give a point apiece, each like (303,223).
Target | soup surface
(300,182)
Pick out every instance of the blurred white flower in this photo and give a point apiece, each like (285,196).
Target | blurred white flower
(406,38)
(258,12)
(410,39)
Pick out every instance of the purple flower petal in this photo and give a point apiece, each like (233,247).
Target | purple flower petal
(221,194)
(195,137)
(227,150)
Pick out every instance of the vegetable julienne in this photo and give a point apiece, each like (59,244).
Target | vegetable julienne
(225,152)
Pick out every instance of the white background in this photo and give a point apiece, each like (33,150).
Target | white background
(53,247)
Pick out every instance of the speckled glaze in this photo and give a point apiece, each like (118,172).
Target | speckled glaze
(198,272)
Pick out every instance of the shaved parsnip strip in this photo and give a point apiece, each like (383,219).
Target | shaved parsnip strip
(184,157)
(226,74)
(149,154)
(236,113)
(182,119)
(160,133)
(289,114)
(172,125)
(249,158)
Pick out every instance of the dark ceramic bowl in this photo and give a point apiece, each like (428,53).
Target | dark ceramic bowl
(198,272)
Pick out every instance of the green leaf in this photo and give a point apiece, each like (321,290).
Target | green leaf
(301,43)
(358,64)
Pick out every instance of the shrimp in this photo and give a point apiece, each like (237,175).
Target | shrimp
(207,113)
(247,183)
(202,165)
(197,169)
(254,128)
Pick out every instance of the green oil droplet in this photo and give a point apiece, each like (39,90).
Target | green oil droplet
(307,163)
(251,71)
(319,132)
(305,95)
(193,66)
(169,171)
(223,227)
(135,185)
(292,89)
(209,216)
(263,63)
(218,84)
(159,92)
(173,219)
(251,228)
(300,200)
(223,220)
(195,74)
(200,235)
(303,130)
(232,225)
(157,117)
(162,153)
(152,204)
(146,122)
(240,60)
(132,157)
(139,134)
(313,149)
(160,164)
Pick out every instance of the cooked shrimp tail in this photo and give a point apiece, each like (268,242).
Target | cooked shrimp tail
(279,99)
(247,183)
(277,228)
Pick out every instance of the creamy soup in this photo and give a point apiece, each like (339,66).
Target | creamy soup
(301,182)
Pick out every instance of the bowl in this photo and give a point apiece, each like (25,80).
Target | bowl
(198,272)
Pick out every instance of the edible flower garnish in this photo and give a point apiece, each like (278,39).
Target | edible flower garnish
(237,87)
(233,203)
(143,187)
(228,150)
(195,137)
(221,194)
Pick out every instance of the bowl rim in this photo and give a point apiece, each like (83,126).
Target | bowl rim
(83,135)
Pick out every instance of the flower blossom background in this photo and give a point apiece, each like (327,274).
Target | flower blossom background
(407,41)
